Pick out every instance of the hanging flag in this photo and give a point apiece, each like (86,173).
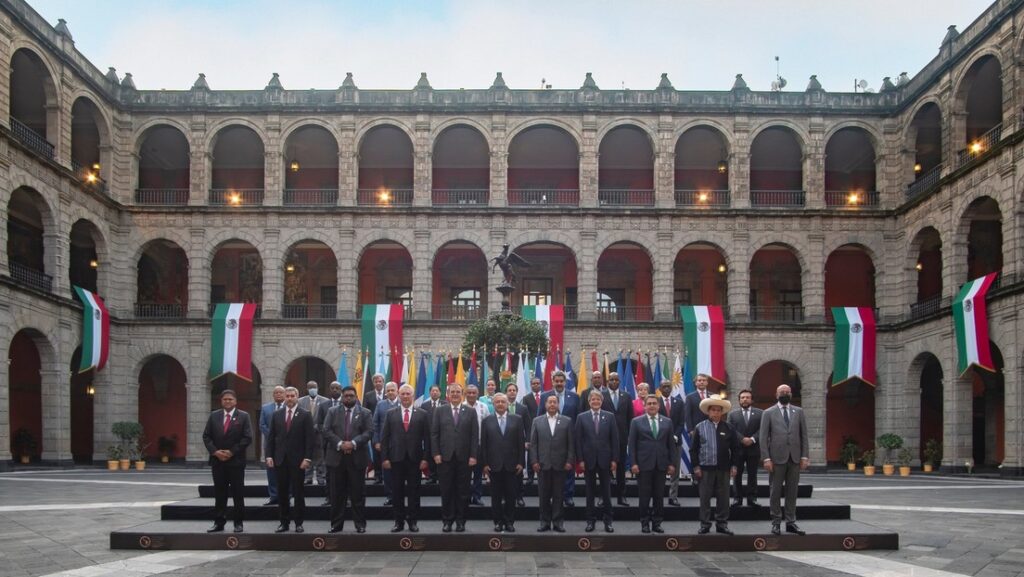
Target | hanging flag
(95,331)
(704,338)
(854,356)
(422,392)
(583,377)
(626,382)
(970,322)
(382,334)
(523,374)
(343,378)
(538,369)
(357,380)
(649,375)
(460,372)
(552,318)
(471,379)
(410,377)
(570,376)
(232,340)
(550,366)
(441,378)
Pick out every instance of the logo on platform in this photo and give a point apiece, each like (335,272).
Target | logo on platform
(671,543)
(760,544)
(145,542)
(382,324)
(849,543)
(494,544)
(703,326)
(232,542)
(856,328)
(583,544)
(232,324)
(405,543)
(319,543)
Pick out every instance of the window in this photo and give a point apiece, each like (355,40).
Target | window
(398,295)
(537,291)
(465,303)
(681,297)
(609,304)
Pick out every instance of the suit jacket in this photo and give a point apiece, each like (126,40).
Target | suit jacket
(379,413)
(693,412)
(747,429)
(650,453)
(266,412)
(552,451)
(306,402)
(600,448)
(291,445)
(585,399)
(397,444)
(531,403)
(623,415)
(451,442)
(370,399)
(321,414)
(237,438)
(334,431)
(524,413)
(782,443)
(570,403)
(678,415)
(502,452)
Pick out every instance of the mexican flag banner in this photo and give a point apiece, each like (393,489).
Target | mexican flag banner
(970,324)
(382,332)
(704,338)
(95,331)
(855,345)
(552,318)
(231,352)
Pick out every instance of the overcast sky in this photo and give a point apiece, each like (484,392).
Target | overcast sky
(701,44)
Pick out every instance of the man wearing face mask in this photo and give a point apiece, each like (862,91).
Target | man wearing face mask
(313,403)
(785,452)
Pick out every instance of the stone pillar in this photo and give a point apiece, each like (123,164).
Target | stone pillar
(1013,406)
(201,171)
(348,163)
(813,281)
(586,275)
(814,177)
(954,139)
(422,163)
(273,274)
(56,405)
(5,389)
(273,183)
(664,179)
(348,275)
(197,395)
(105,406)
(664,273)
(738,287)
(198,274)
(499,164)
(588,167)
(813,398)
(56,248)
(422,258)
(739,163)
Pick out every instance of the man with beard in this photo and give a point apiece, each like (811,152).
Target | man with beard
(389,402)
(370,399)
(654,452)
(746,421)
(347,429)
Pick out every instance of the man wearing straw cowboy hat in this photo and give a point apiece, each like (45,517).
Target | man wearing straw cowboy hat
(713,452)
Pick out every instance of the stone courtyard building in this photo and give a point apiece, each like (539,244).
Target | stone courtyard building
(775,205)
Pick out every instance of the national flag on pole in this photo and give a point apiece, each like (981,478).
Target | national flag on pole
(550,366)
(484,368)
(422,375)
(593,362)
(639,377)
(680,385)
(523,374)
(583,378)
(450,376)
(688,386)
(343,379)
(231,351)
(357,380)
(552,318)
(538,369)
(657,368)
(382,335)
(506,376)
(471,379)
(571,379)
(440,376)
(855,345)
(626,381)
(970,322)
(607,371)
(411,376)
(95,331)
(649,375)
(460,372)
(704,338)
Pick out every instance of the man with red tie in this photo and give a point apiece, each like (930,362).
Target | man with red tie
(290,447)
(404,445)
(227,434)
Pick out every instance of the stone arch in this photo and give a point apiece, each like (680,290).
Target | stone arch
(877,140)
(466,121)
(52,69)
(728,136)
(960,92)
(715,244)
(213,131)
(644,242)
(298,123)
(803,139)
(286,244)
(39,199)
(295,351)
(384,121)
(767,392)
(441,238)
(165,234)
(138,135)
(867,243)
(787,242)
(218,240)
(99,245)
(546,121)
(457,237)
(144,351)
(402,238)
(912,113)
(631,121)
(551,236)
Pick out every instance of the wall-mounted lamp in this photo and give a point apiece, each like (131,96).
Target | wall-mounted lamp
(919,267)
(94,263)
(917,168)
(294,166)
(721,268)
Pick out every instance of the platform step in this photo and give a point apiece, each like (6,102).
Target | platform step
(678,536)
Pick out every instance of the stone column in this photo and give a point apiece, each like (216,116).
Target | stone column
(664,179)
(201,171)
(56,405)
(813,281)
(348,164)
(957,414)
(273,275)
(664,274)
(5,391)
(589,161)
(348,275)
(197,395)
(273,183)
(1013,407)
(198,274)
(422,273)
(738,287)
(422,163)
(586,275)
(814,177)
(499,163)
(813,398)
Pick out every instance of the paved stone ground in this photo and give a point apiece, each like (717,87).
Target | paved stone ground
(35,541)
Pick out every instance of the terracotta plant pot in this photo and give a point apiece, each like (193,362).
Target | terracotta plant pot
(904,471)
(165,459)
(140,465)
(112,465)
(888,469)
(125,464)
(869,470)
(927,467)
(851,466)
(25,459)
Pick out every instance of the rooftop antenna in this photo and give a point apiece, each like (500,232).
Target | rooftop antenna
(861,85)
(779,83)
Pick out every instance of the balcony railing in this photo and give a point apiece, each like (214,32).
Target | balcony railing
(458,312)
(384,197)
(309,311)
(162,196)
(625,197)
(778,198)
(459,196)
(31,138)
(159,311)
(847,199)
(625,313)
(310,197)
(777,313)
(89,178)
(570,312)
(30,277)
(925,307)
(543,197)
(686,197)
(407,310)
(213,306)
(925,183)
(980,145)
(236,196)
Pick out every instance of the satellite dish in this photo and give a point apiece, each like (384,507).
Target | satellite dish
(782,82)
(862,84)
(775,86)
(869,91)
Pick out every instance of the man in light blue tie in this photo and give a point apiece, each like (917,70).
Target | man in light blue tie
(502,448)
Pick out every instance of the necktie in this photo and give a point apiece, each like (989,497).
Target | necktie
(227,421)
(597,422)
(615,399)
(536,397)
(654,427)
(668,406)
(348,424)
(288,421)
(746,416)
(455,415)
(561,403)
(405,420)
(512,408)
(702,397)
(334,403)
(501,424)
(785,415)
(312,406)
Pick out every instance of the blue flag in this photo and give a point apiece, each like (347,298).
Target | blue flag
(538,369)
(653,380)
(626,376)
(570,375)
(343,377)
(688,376)
(657,368)
(421,380)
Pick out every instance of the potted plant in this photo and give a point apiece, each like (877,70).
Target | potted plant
(24,445)
(141,444)
(869,462)
(904,457)
(890,442)
(848,454)
(113,457)
(166,447)
(932,454)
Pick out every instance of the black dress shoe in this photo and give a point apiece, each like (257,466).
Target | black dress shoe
(623,503)
(326,503)
(656,527)
(645,528)
(673,502)
(336,529)
(520,502)
(217,528)
(608,528)
(559,528)
(498,527)
(704,530)
(460,527)
(446,527)
(723,530)
(510,528)
(398,527)
(590,527)
(360,529)
(793,528)
(239,528)
(270,503)
(544,527)
(568,504)
(387,502)
(737,502)
(753,503)
(775,529)
(282,528)
(299,529)
(413,527)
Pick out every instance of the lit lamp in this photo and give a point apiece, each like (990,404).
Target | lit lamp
(723,166)
(234,199)
(702,197)
(977,147)
(90,177)
(289,267)
(96,166)
(294,166)
(917,168)
(384,196)
(90,390)
(919,267)
(853,199)
(94,263)
(721,268)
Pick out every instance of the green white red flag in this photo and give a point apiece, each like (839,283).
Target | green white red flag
(95,331)
(231,336)
(704,338)
(382,335)
(552,318)
(854,356)
(970,323)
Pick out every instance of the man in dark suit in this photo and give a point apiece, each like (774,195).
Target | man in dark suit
(675,409)
(693,414)
(267,411)
(597,448)
(531,400)
(290,452)
(227,434)
(552,456)
(785,452)
(313,403)
(502,442)
(454,442)
(333,400)
(522,411)
(389,402)
(405,444)
(569,406)
(596,384)
(371,397)
(619,403)
(746,421)
(655,452)
(348,432)
(429,406)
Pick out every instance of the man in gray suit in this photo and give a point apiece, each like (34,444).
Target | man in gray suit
(784,452)
(552,455)
(314,403)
